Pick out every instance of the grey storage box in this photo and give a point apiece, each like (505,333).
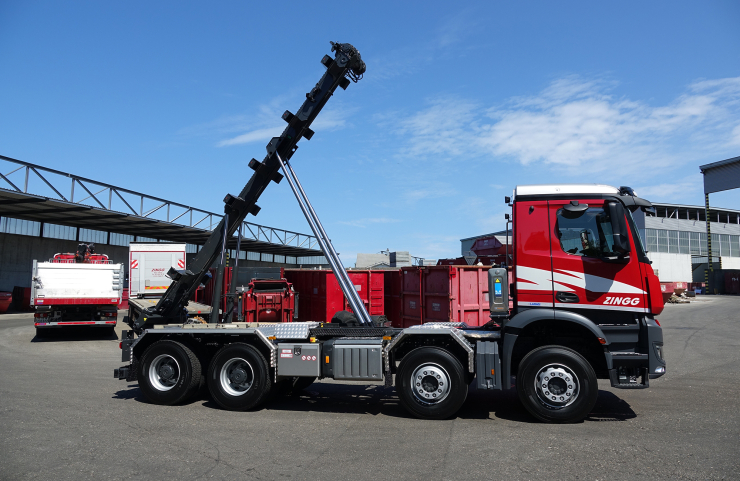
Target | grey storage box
(298,359)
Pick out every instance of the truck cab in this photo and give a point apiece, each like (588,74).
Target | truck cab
(582,280)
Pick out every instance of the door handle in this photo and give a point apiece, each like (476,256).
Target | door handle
(567,297)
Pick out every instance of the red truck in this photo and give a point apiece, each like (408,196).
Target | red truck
(585,301)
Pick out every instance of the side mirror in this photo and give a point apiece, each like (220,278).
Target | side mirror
(619,228)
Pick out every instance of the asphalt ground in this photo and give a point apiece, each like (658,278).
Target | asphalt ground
(64,417)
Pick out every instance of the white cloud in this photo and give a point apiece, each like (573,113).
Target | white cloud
(580,125)
(443,129)
(330,119)
(676,191)
(253,136)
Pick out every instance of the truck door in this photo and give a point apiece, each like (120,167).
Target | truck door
(588,276)
(532,263)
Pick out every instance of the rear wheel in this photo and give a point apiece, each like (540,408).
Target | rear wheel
(239,377)
(557,385)
(431,383)
(169,372)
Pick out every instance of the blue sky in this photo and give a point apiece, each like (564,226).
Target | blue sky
(459,104)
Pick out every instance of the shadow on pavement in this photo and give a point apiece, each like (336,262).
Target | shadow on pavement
(377,399)
(76,334)
(610,407)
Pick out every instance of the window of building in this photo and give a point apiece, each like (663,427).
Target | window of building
(651,237)
(266,257)
(662,240)
(9,225)
(290,260)
(96,236)
(253,256)
(673,241)
(724,244)
(735,246)
(145,239)
(191,248)
(683,242)
(54,231)
(120,239)
(694,244)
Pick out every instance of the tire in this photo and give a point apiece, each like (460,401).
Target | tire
(169,373)
(557,385)
(239,377)
(430,383)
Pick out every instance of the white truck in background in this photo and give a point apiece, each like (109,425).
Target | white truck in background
(80,289)
(149,264)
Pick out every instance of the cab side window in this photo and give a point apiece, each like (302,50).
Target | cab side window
(588,235)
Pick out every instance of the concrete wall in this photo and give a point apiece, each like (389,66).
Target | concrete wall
(672,267)
(17,253)
(730,262)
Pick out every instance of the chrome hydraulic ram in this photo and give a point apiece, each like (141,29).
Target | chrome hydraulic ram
(326,247)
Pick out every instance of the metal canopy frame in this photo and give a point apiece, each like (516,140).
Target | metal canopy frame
(91,204)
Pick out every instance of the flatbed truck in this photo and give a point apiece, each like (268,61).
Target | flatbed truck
(585,301)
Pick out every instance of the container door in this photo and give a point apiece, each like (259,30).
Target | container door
(533,267)
(585,279)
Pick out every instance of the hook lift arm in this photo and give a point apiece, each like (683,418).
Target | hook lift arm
(346,65)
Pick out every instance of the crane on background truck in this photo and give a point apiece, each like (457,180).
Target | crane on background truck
(581,311)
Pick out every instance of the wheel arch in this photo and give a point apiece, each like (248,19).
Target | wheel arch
(534,328)
(396,351)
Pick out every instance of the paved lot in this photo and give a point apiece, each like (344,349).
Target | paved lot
(64,417)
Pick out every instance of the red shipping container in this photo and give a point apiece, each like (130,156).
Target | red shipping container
(268,301)
(393,299)
(320,297)
(444,294)
(6,298)
(732,282)
(22,298)
(124,299)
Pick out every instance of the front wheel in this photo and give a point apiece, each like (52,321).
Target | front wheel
(431,383)
(239,377)
(169,373)
(557,385)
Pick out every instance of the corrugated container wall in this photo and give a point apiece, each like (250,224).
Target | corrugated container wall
(443,294)
(320,297)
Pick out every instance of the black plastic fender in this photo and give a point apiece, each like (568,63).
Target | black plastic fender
(523,319)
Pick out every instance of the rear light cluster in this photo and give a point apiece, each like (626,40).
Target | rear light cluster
(109,314)
(41,315)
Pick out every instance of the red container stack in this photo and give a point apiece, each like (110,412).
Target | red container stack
(6,298)
(393,299)
(320,297)
(443,294)
(22,298)
(124,299)
(732,282)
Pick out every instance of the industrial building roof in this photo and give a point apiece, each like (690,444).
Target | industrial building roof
(194,226)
